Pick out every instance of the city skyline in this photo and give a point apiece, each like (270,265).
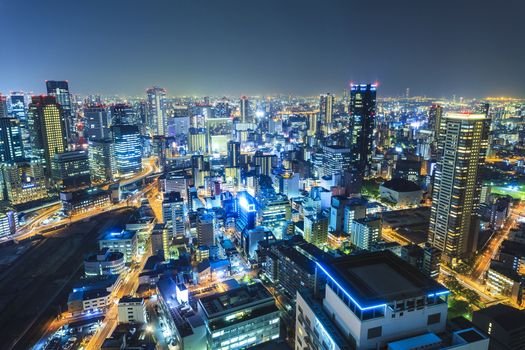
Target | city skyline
(433,49)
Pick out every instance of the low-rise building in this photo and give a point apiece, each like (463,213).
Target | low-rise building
(125,242)
(504,281)
(81,201)
(132,310)
(239,318)
(504,325)
(402,192)
(104,262)
(93,300)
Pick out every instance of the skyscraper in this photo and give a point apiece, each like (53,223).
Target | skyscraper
(71,169)
(128,149)
(60,90)
(47,128)
(10,140)
(362,116)
(173,213)
(234,153)
(3,106)
(462,147)
(156,109)
(122,113)
(244,107)
(98,122)
(326,110)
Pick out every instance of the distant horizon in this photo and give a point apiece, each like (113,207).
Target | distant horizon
(236,47)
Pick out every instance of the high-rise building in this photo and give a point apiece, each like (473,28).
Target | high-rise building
(98,122)
(366,232)
(316,229)
(205,230)
(173,213)
(23,181)
(337,159)
(122,113)
(11,147)
(461,151)
(362,120)
(264,162)
(156,110)
(246,212)
(326,111)
(47,128)
(234,154)
(3,106)
(102,160)
(60,90)
(128,149)
(244,107)
(198,141)
(71,169)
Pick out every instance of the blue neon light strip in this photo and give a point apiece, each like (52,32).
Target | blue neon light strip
(348,295)
(439,293)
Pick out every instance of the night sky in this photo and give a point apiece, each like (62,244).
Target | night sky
(230,47)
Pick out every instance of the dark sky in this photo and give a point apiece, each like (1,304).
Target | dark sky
(435,47)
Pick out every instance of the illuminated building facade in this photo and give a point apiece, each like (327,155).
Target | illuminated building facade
(326,111)
(457,188)
(128,149)
(239,318)
(60,91)
(11,148)
(102,160)
(98,122)
(23,181)
(71,169)
(362,120)
(246,212)
(156,110)
(47,128)
(198,141)
(369,300)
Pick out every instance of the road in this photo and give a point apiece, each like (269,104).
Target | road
(127,287)
(491,249)
(37,225)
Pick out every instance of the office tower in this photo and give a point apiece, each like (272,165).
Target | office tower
(156,110)
(98,122)
(173,213)
(71,169)
(336,159)
(242,317)
(3,106)
(234,154)
(122,113)
(23,181)
(362,120)
(8,222)
(435,113)
(198,141)
(102,160)
(355,208)
(370,301)
(337,213)
(326,110)
(244,107)
(246,212)
(316,229)
(11,147)
(288,184)
(179,123)
(457,187)
(60,90)
(264,163)
(47,128)
(205,230)
(365,232)
(273,212)
(313,124)
(128,149)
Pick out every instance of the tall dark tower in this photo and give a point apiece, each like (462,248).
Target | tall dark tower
(362,116)
(59,89)
(244,107)
(234,153)
(11,148)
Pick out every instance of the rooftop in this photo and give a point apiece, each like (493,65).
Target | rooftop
(109,236)
(401,185)
(235,299)
(379,277)
(507,317)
